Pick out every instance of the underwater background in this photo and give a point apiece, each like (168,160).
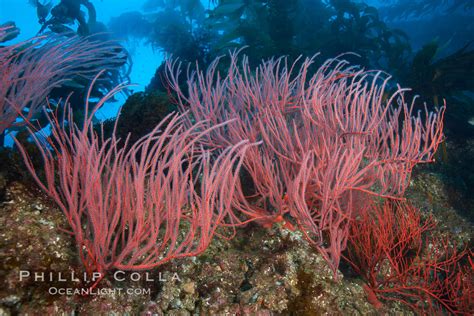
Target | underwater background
(267,159)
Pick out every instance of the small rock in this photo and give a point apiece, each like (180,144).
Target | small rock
(189,287)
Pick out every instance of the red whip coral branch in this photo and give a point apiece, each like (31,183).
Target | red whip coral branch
(389,248)
(31,69)
(136,206)
(329,141)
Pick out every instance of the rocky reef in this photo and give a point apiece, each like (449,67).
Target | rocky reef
(261,271)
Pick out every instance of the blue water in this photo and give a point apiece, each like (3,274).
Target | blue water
(145,59)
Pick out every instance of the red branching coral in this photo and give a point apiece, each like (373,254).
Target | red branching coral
(136,206)
(329,141)
(390,248)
